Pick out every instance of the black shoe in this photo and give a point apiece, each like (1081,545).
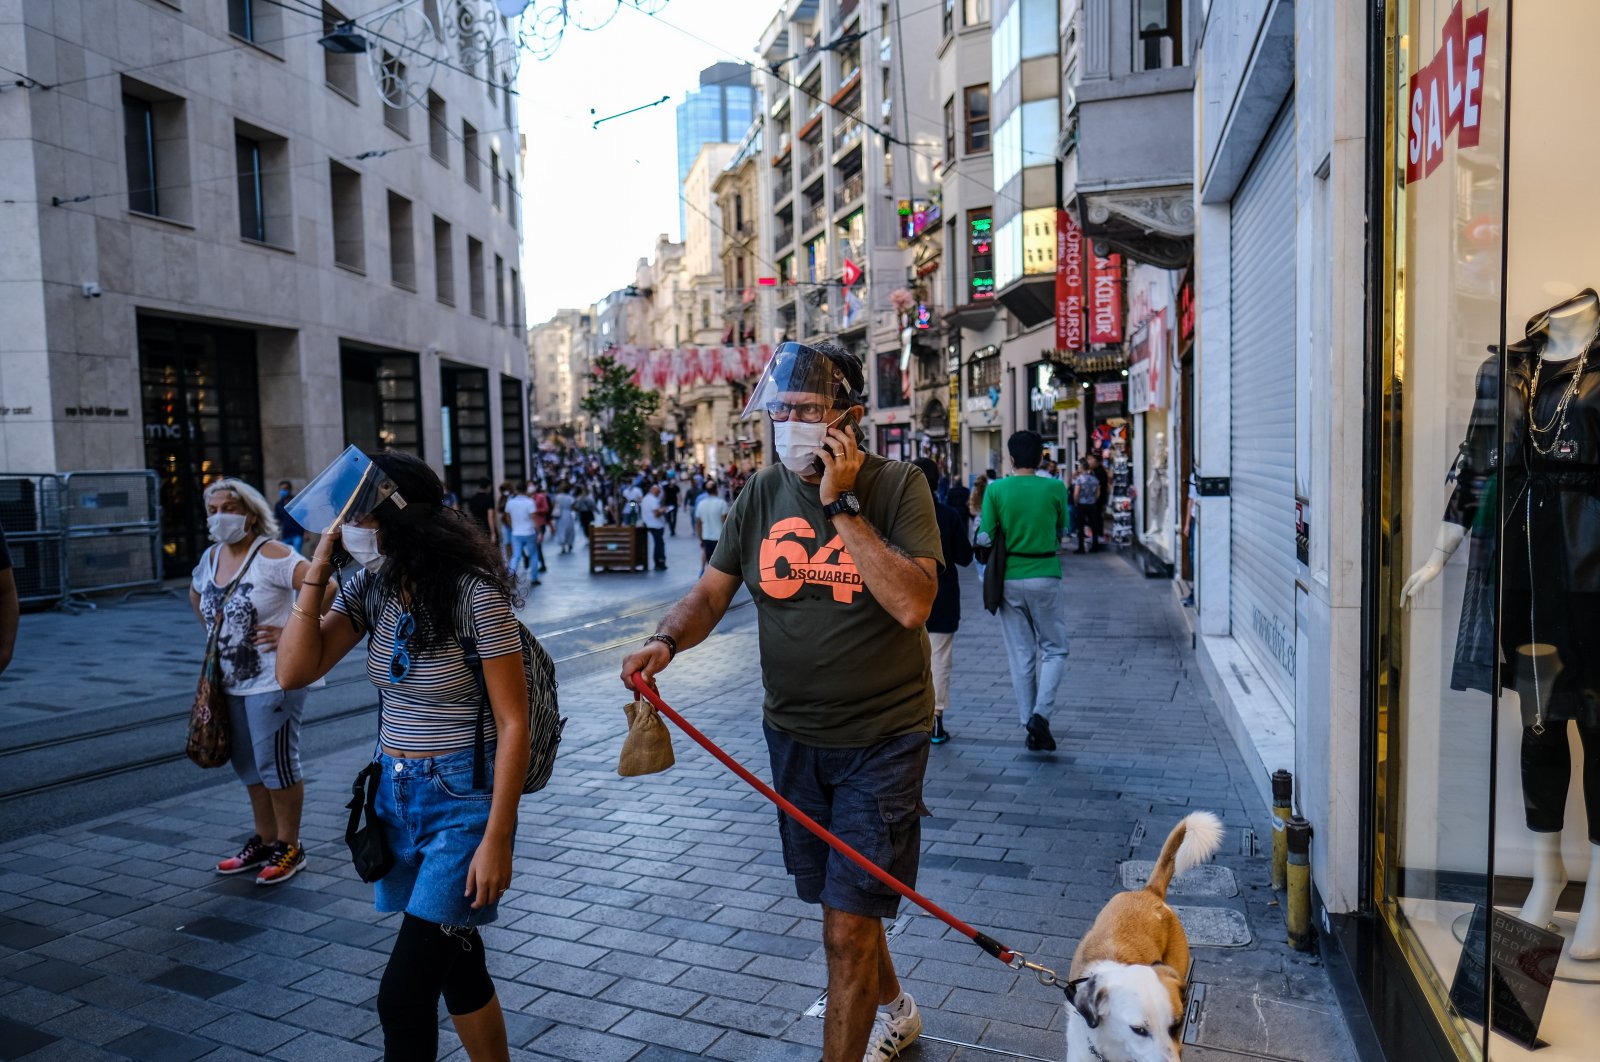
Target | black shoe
(543,567)
(1080,549)
(1039,737)
(940,734)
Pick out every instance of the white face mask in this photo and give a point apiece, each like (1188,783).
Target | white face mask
(362,545)
(798,442)
(226,528)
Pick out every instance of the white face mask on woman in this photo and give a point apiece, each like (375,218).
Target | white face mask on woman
(362,545)
(226,528)
(798,442)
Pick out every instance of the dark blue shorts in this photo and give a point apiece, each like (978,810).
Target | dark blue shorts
(871,798)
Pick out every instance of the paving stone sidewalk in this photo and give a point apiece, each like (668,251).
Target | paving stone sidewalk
(651,918)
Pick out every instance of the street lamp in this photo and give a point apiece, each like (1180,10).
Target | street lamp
(344,40)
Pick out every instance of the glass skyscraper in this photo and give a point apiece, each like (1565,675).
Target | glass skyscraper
(718,112)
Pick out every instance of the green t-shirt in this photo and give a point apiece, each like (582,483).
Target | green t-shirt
(1032,510)
(840,672)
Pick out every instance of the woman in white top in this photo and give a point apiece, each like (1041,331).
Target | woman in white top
(264,720)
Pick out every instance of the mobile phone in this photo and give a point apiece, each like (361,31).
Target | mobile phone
(845,423)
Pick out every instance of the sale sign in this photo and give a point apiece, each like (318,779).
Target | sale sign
(1069,283)
(1105,300)
(1446,95)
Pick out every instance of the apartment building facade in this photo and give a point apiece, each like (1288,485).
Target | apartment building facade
(560,353)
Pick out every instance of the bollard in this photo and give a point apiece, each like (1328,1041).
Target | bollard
(1282,800)
(1298,840)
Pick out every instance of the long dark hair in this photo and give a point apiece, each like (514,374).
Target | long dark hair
(428,548)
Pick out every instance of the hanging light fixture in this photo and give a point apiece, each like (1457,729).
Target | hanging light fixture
(344,40)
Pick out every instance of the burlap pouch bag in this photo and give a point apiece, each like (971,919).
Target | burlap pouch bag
(647,748)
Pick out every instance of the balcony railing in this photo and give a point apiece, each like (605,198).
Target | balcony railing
(851,190)
(783,237)
(847,132)
(815,214)
(782,185)
(813,159)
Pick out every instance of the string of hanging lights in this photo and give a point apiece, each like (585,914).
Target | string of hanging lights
(406,42)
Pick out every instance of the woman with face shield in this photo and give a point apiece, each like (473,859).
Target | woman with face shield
(429,583)
(244,586)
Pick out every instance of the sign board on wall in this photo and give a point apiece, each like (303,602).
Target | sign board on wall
(1105,300)
(1069,283)
(1446,95)
(1107,394)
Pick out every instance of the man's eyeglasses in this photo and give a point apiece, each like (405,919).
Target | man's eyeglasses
(804,412)
(400,659)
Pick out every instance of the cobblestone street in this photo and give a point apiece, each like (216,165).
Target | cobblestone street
(651,919)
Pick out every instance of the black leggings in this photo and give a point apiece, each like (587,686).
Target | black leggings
(427,961)
(1547,772)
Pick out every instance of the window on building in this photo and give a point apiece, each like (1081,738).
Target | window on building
(705,313)
(1159,43)
(974,12)
(349,241)
(513,428)
(397,118)
(339,69)
(258,21)
(499,290)
(402,249)
(948,23)
(444,262)
(382,402)
(891,384)
(475,300)
(469,154)
(139,138)
(516,299)
(983,372)
(738,212)
(976,99)
(154,128)
(506,97)
(511,198)
(980,255)
(438,130)
(949,130)
(262,164)
(494,178)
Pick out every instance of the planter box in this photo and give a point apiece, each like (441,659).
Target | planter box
(617,548)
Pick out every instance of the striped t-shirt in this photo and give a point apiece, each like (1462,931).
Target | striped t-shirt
(435,707)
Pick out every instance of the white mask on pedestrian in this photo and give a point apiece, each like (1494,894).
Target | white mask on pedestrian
(362,545)
(226,528)
(797,443)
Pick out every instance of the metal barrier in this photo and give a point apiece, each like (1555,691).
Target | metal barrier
(30,515)
(112,525)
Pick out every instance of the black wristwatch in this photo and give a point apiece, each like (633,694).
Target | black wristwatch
(845,503)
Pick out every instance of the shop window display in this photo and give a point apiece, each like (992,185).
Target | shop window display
(1488,686)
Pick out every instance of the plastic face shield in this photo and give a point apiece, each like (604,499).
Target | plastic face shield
(348,489)
(797,374)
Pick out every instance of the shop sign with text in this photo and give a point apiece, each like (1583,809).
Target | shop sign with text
(1446,95)
(1105,300)
(1069,283)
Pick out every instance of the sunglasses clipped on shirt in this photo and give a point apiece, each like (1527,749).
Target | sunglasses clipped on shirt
(804,412)
(400,659)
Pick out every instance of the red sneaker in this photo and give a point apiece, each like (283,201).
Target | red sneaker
(252,855)
(287,861)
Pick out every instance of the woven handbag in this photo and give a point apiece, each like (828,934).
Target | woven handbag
(209,743)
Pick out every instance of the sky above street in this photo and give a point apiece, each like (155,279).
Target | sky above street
(594,200)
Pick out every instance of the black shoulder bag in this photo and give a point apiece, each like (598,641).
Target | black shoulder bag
(369,851)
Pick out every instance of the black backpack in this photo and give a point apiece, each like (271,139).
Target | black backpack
(545,722)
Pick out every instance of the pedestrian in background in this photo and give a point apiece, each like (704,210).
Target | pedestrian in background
(521,512)
(10,606)
(289,530)
(427,579)
(974,517)
(945,618)
(482,507)
(1097,465)
(541,521)
(709,513)
(583,505)
(1086,505)
(1031,512)
(561,505)
(263,718)
(844,660)
(655,521)
(503,522)
(669,504)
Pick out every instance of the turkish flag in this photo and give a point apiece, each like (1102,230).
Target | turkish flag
(851,273)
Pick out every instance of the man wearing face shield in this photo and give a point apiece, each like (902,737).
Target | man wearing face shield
(840,550)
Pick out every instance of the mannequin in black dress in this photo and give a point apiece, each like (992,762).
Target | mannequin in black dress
(1542,505)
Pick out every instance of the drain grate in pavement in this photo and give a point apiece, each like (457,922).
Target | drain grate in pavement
(1234,1023)
(1206,880)
(1214,927)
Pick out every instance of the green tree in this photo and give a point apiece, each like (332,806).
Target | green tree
(620,408)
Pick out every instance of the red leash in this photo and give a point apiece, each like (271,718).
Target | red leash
(1011,958)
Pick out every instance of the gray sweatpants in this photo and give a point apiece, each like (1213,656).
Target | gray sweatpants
(1033,623)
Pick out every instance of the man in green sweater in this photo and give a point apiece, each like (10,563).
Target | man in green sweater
(1032,512)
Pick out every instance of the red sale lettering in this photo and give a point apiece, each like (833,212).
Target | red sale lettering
(1446,95)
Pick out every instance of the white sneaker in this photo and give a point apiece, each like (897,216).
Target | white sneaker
(892,1035)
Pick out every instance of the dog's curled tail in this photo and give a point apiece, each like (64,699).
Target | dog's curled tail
(1192,841)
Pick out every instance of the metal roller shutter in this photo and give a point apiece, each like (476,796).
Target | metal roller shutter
(1261,610)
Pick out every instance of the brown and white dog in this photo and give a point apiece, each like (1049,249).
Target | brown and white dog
(1126,992)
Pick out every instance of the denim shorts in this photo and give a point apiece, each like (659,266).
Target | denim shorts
(434,821)
(871,798)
